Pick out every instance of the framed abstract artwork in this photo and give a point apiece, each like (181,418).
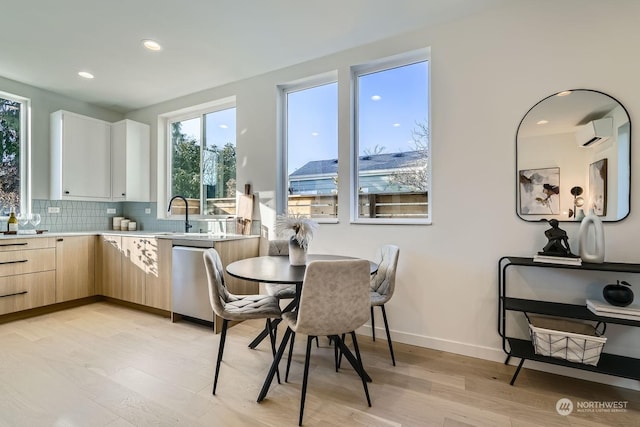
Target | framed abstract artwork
(539,189)
(598,187)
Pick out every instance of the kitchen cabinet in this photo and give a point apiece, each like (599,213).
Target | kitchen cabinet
(75,267)
(611,364)
(158,277)
(130,173)
(109,266)
(27,274)
(80,155)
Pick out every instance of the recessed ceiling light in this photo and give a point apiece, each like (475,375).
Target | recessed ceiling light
(151,45)
(542,122)
(376,98)
(564,93)
(396,125)
(85,74)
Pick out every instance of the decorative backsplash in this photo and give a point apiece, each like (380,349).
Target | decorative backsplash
(92,216)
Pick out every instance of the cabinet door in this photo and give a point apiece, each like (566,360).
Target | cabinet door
(110,265)
(130,168)
(158,280)
(75,268)
(86,158)
(134,267)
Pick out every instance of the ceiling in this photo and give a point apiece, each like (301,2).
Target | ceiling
(206,43)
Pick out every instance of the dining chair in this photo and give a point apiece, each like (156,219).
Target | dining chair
(232,307)
(279,290)
(334,301)
(383,284)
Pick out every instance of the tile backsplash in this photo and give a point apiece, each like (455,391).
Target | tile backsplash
(93,216)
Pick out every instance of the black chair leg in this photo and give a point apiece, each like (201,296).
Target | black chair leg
(304,378)
(386,327)
(339,363)
(274,366)
(364,382)
(373,326)
(272,339)
(223,336)
(293,338)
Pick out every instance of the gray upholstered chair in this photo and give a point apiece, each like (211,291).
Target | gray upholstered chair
(383,284)
(279,290)
(334,301)
(235,307)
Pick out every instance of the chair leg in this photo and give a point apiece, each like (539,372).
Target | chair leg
(223,336)
(373,325)
(293,338)
(304,378)
(386,327)
(364,382)
(339,363)
(272,339)
(274,365)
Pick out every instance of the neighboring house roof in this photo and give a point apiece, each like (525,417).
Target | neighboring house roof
(371,162)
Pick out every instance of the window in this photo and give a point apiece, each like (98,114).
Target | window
(203,162)
(391,150)
(14,176)
(311,148)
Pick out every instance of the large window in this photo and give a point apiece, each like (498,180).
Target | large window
(203,162)
(311,146)
(391,154)
(14,185)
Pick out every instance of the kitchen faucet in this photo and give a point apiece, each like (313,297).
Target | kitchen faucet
(187,226)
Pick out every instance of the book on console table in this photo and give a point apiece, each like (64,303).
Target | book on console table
(551,259)
(630,312)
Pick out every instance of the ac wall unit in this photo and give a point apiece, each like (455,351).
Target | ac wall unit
(594,132)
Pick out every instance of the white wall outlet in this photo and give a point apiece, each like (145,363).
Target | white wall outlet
(53,209)
(147,210)
(111,210)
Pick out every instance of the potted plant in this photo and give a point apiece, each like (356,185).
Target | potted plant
(300,230)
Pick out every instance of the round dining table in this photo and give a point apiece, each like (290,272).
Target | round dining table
(277,269)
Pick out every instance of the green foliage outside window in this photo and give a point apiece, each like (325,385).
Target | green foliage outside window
(10,152)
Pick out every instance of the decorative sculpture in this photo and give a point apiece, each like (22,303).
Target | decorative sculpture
(558,244)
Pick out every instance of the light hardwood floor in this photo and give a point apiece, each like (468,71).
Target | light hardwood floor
(107,365)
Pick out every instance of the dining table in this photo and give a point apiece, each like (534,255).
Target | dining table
(278,269)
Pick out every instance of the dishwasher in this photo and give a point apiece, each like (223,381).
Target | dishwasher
(189,284)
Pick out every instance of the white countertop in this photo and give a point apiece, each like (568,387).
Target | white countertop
(156,234)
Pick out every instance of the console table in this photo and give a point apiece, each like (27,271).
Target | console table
(611,364)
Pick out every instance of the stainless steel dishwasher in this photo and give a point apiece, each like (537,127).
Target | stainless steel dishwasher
(190,289)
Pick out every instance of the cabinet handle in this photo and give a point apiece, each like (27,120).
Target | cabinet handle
(66,192)
(14,294)
(123,194)
(60,239)
(14,262)
(14,244)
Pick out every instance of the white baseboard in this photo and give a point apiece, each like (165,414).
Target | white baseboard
(497,355)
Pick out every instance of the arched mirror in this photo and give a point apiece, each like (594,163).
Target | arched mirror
(573,155)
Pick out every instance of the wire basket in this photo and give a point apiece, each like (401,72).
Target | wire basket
(567,339)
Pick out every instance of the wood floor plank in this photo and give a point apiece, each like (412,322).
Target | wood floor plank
(107,365)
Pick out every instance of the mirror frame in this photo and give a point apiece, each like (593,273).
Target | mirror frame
(541,217)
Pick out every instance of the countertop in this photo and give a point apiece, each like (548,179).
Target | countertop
(156,234)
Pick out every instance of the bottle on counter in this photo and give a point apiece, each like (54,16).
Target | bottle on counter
(12,223)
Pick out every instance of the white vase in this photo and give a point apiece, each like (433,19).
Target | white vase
(297,254)
(591,238)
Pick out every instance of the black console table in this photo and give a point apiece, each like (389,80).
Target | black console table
(611,364)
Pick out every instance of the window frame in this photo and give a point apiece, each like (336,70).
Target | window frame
(383,64)
(282,199)
(25,150)
(199,111)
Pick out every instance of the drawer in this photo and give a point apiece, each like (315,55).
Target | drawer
(26,243)
(21,262)
(27,291)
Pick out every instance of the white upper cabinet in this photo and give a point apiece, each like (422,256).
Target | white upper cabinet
(80,157)
(130,144)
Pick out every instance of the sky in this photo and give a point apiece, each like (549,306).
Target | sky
(390,103)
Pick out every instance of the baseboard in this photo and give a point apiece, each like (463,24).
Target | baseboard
(497,355)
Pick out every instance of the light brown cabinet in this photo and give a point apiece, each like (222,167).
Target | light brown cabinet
(109,266)
(75,267)
(134,269)
(27,273)
(158,277)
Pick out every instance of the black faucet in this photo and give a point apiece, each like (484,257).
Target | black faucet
(187,226)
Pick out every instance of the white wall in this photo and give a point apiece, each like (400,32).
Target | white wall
(487,71)
(44,103)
